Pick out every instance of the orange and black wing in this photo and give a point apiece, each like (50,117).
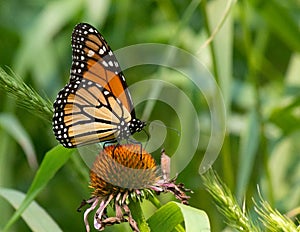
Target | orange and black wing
(86,113)
(92,59)
(95,106)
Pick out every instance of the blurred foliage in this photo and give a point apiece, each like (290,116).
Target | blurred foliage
(254,57)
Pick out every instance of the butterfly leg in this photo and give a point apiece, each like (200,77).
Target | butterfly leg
(110,143)
(113,153)
(105,144)
(138,143)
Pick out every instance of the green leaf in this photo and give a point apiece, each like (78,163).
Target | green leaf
(285,117)
(13,127)
(285,172)
(280,20)
(223,45)
(52,162)
(34,216)
(248,149)
(171,214)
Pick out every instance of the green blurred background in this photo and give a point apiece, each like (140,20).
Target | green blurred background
(254,57)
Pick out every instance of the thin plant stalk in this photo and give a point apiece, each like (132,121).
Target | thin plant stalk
(25,96)
(227,204)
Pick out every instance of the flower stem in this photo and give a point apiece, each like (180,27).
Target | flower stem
(138,216)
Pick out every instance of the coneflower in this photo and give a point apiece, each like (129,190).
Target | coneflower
(123,173)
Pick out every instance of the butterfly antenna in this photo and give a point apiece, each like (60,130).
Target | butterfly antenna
(162,125)
(174,129)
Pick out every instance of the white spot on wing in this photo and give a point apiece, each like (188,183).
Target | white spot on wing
(104,63)
(91,53)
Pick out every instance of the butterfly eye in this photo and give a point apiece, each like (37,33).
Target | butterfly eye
(95,106)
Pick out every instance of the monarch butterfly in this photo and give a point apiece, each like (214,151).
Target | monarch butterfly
(95,106)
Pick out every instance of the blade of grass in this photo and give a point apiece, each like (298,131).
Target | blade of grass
(35,216)
(248,150)
(52,162)
(13,127)
(280,21)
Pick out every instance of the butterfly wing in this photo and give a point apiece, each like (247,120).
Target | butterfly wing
(96,102)
(94,60)
(85,113)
